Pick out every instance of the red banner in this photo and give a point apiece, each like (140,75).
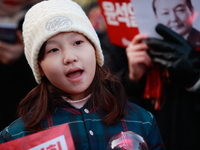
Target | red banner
(56,138)
(120,20)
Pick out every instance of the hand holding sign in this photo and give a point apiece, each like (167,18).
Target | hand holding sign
(175,53)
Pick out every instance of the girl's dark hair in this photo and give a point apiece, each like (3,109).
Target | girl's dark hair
(107,93)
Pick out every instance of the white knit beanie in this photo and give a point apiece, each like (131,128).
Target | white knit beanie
(48,18)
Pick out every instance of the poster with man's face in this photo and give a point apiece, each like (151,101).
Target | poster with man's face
(181,16)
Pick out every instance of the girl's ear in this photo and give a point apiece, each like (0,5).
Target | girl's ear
(41,71)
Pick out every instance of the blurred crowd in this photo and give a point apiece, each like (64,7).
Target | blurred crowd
(16,78)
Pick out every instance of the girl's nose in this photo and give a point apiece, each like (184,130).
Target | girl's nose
(69,57)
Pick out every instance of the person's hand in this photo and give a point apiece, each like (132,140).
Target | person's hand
(11,52)
(175,53)
(138,59)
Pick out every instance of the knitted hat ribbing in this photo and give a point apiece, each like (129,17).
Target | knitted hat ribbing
(48,18)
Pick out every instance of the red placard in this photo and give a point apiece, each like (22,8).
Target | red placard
(56,138)
(120,20)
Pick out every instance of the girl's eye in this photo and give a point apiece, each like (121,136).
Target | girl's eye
(53,50)
(78,42)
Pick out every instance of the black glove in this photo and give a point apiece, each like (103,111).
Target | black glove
(175,53)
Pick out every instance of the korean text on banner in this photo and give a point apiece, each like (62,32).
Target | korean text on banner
(120,20)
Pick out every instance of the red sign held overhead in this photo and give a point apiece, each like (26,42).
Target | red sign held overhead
(120,20)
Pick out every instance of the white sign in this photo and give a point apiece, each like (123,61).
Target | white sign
(58,143)
(175,14)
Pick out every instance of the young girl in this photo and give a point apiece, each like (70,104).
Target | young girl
(64,53)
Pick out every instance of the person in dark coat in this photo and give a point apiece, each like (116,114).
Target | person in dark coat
(16,78)
(169,72)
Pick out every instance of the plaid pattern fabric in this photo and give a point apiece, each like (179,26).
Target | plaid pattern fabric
(89,132)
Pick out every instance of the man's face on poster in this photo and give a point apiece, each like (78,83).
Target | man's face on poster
(174,14)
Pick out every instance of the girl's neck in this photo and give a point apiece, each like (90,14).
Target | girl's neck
(77,103)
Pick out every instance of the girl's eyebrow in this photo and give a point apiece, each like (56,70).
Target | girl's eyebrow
(51,42)
(73,34)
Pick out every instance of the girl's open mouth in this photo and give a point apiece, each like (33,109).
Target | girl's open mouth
(75,76)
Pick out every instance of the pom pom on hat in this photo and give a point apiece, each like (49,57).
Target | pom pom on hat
(48,18)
